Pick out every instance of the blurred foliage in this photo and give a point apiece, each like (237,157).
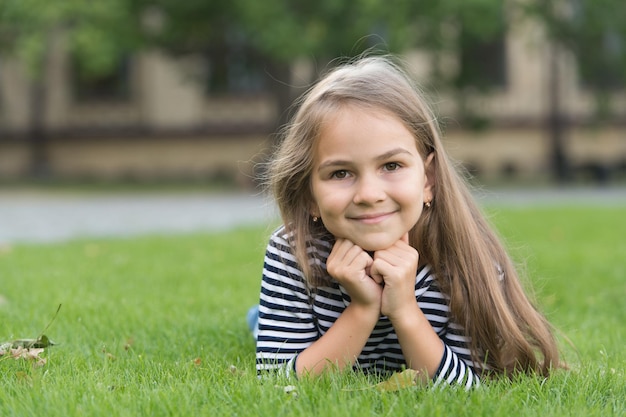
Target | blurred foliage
(282,30)
(98,32)
(271,34)
(250,45)
(594,31)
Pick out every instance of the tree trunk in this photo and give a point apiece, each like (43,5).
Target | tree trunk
(37,135)
(556,124)
(38,139)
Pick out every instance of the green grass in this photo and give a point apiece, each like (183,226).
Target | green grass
(156,326)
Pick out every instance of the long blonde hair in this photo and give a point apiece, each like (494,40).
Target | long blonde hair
(471,265)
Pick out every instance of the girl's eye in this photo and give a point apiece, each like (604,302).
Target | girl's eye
(391,166)
(340,174)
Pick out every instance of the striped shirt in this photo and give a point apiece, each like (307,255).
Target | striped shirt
(293,315)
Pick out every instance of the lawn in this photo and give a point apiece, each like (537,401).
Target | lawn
(155,326)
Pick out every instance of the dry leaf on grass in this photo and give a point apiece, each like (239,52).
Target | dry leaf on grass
(28,349)
(29,354)
(399,380)
(41,342)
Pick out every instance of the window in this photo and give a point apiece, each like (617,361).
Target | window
(111,85)
(601,63)
(234,68)
(483,62)
(599,42)
(482,47)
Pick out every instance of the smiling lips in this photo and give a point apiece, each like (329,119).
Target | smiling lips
(373,218)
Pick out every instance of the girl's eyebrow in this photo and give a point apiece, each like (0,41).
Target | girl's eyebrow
(392,153)
(341,162)
(332,163)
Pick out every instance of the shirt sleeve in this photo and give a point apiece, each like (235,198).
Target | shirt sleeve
(454,371)
(286,323)
(456,366)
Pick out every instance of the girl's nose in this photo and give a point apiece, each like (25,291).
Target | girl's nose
(369,189)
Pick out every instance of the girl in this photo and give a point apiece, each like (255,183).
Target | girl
(384,261)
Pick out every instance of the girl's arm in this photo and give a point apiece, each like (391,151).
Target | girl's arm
(286,322)
(343,342)
(441,356)
(288,336)
(339,347)
(421,346)
(424,350)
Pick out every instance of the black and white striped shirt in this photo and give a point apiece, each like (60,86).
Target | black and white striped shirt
(292,316)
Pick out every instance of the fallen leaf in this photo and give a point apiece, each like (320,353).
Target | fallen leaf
(41,342)
(400,380)
(29,349)
(28,354)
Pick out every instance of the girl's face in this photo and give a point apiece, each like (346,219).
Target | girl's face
(369,182)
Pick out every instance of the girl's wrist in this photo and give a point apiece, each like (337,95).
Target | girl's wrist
(407,316)
(364,312)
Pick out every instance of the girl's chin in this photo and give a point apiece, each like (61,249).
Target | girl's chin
(373,248)
(372,243)
(369,246)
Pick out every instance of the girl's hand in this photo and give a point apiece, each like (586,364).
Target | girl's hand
(350,266)
(397,265)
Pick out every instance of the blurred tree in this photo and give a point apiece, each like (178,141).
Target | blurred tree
(247,42)
(253,44)
(273,34)
(322,31)
(594,31)
(98,34)
(466,39)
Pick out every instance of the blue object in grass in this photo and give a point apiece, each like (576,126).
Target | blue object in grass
(253,320)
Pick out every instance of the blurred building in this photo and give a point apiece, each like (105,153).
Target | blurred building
(159,118)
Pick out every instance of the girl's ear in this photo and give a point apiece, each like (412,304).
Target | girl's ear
(430,165)
(314,210)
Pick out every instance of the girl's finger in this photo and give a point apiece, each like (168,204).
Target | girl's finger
(378,279)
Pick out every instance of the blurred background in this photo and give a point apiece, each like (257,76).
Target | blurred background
(192,92)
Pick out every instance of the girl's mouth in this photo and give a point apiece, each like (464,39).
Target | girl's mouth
(372,218)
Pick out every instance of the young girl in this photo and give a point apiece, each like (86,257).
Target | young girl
(384,261)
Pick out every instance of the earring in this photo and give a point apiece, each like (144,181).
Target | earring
(315,219)
(427,204)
